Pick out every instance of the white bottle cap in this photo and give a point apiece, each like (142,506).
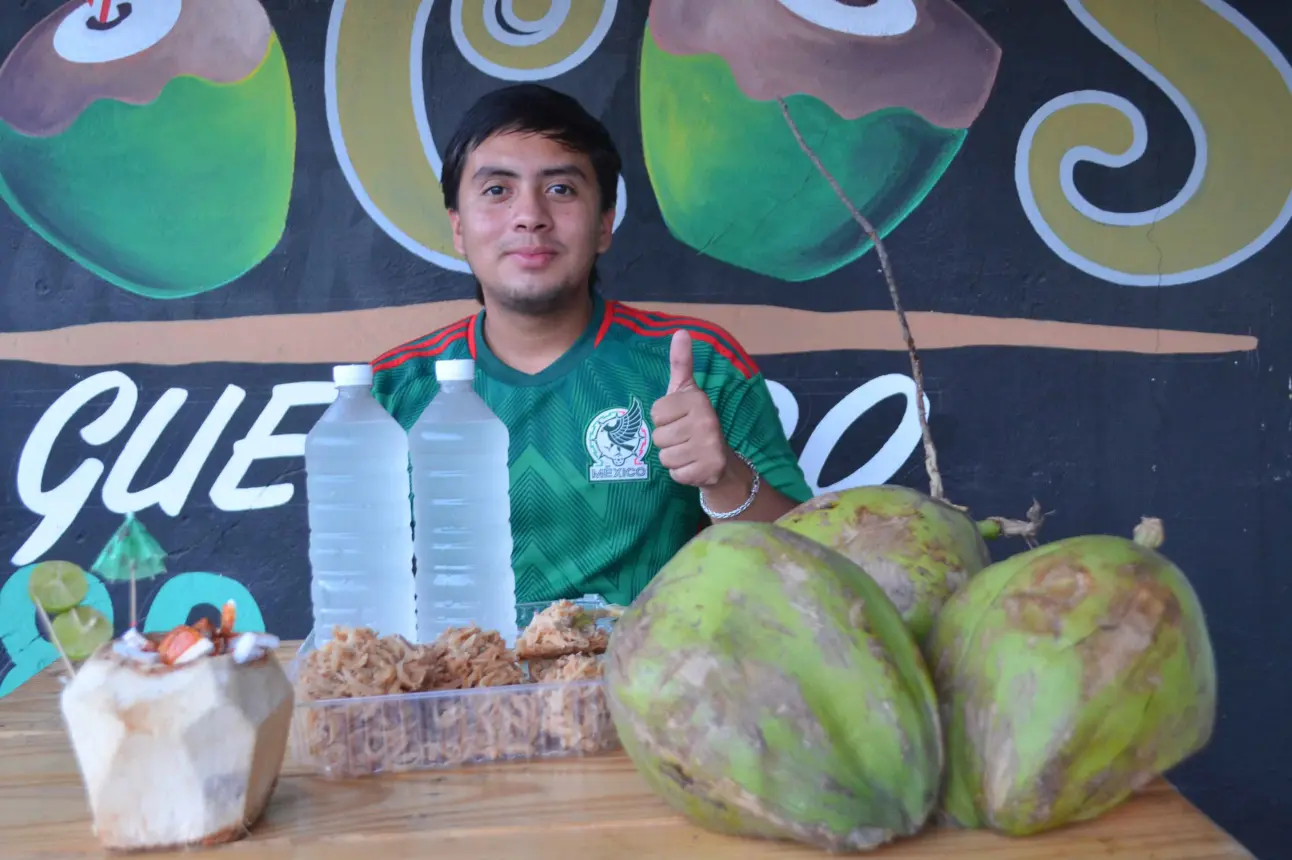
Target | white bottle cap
(455,370)
(352,374)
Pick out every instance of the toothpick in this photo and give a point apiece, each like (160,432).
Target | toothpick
(134,615)
(49,628)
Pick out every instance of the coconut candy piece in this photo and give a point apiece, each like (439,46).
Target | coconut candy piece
(562,629)
(177,756)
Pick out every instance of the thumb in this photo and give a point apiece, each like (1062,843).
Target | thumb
(681,363)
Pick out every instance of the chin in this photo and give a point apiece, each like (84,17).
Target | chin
(535,299)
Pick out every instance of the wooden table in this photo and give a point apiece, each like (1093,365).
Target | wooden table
(581,808)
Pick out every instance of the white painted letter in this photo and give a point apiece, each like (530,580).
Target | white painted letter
(170,492)
(59,507)
(888,459)
(786,407)
(260,443)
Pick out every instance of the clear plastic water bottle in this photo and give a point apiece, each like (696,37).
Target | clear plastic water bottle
(462,511)
(360,534)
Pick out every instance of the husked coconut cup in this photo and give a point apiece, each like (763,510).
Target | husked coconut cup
(177,756)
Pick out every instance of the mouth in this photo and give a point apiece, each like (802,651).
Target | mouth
(533,256)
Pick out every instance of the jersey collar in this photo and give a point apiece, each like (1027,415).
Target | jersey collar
(492,366)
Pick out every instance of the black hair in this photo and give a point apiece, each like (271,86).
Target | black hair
(533,109)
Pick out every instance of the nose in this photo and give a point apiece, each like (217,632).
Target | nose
(530,213)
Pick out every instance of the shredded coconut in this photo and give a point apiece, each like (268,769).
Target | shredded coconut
(389,732)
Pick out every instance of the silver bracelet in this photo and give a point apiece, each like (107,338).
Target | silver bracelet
(753,492)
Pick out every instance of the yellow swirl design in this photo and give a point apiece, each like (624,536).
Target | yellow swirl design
(529,39)
(376,105)
(1233,88)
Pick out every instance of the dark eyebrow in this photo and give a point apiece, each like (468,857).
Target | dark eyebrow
(563,170)
(488,171)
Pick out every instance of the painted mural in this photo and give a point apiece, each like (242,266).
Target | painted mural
(723,167)
(129,135)
(208,204)
(1233,88)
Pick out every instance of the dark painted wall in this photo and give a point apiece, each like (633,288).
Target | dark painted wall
(1109,369)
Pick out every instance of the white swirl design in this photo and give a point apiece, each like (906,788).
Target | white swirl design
(527,34)
(881,18)
(521,33)
(1116,246)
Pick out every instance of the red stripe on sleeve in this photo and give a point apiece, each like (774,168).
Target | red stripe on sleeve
(637,327)
(673,322)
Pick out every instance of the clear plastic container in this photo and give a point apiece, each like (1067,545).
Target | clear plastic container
(461,510)
(360,532)
(348,738)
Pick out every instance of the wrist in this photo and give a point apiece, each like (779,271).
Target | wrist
(735,479)
(734,490)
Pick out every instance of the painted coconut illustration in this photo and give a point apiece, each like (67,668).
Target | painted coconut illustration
(155,144)
(883,90)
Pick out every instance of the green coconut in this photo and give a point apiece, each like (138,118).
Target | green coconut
(732,182)
(919,549)
(1069,677)
(156,153)
(764,686)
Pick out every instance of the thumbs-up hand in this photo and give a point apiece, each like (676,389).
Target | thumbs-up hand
(681,362)
(687,434)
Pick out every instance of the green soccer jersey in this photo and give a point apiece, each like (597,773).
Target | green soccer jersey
(592,510)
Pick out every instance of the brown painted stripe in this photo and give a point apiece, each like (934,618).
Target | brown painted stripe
(357,336)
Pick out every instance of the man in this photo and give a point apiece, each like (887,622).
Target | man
(628,428)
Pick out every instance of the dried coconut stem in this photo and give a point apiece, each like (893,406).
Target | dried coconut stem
(998,527)
(930,451)
(992,527)
(53,638)
(1150,532)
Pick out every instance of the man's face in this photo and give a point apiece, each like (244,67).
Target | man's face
(529,222)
